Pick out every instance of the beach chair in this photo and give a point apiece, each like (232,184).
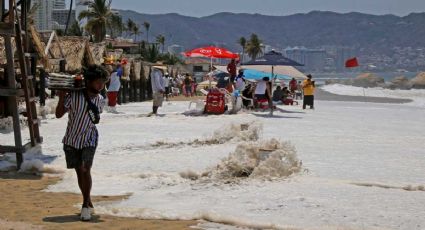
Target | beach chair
(175,91)
(204,92)
(251,104)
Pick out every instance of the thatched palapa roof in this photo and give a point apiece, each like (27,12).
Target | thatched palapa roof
(76,51)
(98,51)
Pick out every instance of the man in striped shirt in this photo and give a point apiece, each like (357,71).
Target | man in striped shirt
(80,140)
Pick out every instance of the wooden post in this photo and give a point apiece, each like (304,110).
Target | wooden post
(142,92)
(42,87)
(149,85)
(12,101)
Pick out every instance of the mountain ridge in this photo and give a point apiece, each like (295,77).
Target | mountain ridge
(376,33)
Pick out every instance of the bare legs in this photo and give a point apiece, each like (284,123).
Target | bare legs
(85,184)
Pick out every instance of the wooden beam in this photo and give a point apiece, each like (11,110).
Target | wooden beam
(49,43)
(7,29)
(7,92)
(59,44)
(11,149)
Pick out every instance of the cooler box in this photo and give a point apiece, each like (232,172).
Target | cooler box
(215,103)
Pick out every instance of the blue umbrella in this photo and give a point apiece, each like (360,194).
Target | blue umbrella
(257,75)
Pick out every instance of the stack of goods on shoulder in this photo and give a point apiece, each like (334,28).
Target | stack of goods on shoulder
(62,81)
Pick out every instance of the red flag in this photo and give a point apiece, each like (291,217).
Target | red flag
(350,63)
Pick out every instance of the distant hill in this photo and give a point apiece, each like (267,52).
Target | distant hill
(314,29)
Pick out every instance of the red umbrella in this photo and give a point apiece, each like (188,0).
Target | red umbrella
(211,52)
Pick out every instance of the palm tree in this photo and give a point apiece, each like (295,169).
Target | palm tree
(160,39)
(31,14)
(147,26)
(242,42)
(152,53)
(135,30)
(254,47)
(98,16)
(115,24)
(69,16)
(75,29)
(129,25)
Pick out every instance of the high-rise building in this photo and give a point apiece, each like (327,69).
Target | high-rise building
(312,59)
(61,17)
(59,5)
(43,14)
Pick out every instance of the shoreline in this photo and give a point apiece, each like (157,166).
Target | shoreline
(322,95)
(26,206)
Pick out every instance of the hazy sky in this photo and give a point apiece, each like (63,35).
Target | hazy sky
(270,7)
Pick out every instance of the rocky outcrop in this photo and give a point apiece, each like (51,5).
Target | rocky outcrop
(368,80)
(400,82)
(418,82)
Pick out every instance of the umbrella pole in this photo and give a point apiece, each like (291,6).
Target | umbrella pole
(271,92)
(209,77)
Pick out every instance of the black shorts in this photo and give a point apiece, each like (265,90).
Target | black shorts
(77,157)
(167,90)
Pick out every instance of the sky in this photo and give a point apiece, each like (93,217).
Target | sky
(199,8)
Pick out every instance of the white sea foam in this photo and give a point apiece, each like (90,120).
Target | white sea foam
(339,143)
(230,133)
(268,160)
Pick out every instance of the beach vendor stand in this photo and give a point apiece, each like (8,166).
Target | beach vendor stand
(216,99)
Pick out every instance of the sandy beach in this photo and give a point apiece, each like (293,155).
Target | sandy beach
(25,206)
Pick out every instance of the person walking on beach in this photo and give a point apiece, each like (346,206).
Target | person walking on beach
(188,85)
(158,88)
(113,89)
(308,88)
(81,137)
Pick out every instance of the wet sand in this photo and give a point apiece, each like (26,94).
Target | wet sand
(322,95)
(25,206)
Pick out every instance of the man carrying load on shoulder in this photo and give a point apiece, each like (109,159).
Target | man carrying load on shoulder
(81,137)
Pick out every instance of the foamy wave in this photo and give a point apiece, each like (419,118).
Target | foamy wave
(266,160)
(229,133)
(38,166)
(144,213)
(269,159)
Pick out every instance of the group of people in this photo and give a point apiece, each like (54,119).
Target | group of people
(262,91)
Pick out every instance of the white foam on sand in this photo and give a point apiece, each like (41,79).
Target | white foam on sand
(417,95)
(266,160)
(342,144)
